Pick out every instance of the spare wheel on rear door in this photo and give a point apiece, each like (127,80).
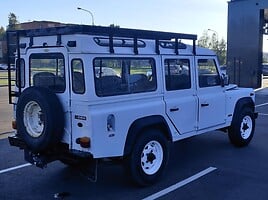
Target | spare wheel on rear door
(40,118)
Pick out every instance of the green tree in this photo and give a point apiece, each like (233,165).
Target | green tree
(212,42)
(12,21)
(222,51)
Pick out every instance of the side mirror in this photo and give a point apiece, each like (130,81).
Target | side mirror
(224,80)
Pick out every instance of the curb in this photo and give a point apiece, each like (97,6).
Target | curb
(8,132)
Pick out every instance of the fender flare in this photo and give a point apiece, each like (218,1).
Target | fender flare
(241,103)
(139,125)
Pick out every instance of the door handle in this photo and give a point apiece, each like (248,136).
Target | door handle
(173,109)
(204,104)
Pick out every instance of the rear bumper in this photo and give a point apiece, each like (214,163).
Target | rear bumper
(17,142)
(40,159)
(60,151)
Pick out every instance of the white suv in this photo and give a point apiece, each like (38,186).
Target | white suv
(85,93)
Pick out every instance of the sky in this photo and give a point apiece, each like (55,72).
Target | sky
(188,16)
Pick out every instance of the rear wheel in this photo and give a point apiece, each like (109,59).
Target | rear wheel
(148,158)
(242,129)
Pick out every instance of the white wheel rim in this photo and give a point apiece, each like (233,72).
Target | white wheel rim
(32,118)
(152,157)
(246,127)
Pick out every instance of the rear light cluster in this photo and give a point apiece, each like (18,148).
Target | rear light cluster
(84,142)
(14,125)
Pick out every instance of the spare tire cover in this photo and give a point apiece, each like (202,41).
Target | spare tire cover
(40,118)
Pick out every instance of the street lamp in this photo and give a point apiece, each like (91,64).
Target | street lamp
(78,8)
(216,33)
(217,40)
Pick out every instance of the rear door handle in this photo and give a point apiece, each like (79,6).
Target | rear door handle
(173,109)
(204,104)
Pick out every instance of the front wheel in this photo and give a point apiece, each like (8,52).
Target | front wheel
(242,129)
(148,158)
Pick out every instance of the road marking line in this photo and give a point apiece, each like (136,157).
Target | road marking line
(14,168)
(264,104)
(180,184)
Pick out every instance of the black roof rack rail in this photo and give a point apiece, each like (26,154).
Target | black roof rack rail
(111,32)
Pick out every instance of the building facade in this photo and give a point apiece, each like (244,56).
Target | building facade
(247,23)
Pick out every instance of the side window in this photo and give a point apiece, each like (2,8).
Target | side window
(177,74)
(20,63)
(78,78)
(142,76)
(47,70)
(115,76)
(208,74)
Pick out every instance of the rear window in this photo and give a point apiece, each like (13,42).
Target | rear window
(47,70)
(118,76)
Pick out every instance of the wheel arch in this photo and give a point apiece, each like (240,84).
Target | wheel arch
(241,104)
(142,124)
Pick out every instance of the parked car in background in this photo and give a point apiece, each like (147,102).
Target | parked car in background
(265,69)
(3,66)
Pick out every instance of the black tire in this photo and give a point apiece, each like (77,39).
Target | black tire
(40,118)
(136,164)
(242,128)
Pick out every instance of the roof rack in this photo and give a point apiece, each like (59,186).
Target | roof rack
(112,32)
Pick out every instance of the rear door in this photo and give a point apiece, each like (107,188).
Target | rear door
(48,67)
(211,95)
(180,93)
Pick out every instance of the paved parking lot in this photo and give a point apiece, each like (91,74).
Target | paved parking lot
(203,167)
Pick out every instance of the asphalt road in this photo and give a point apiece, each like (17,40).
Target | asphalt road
(236,173)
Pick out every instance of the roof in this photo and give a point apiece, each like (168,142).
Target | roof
(98,37)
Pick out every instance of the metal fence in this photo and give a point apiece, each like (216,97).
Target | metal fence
(4,78)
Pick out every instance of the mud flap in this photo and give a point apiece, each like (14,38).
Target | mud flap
(90,170)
